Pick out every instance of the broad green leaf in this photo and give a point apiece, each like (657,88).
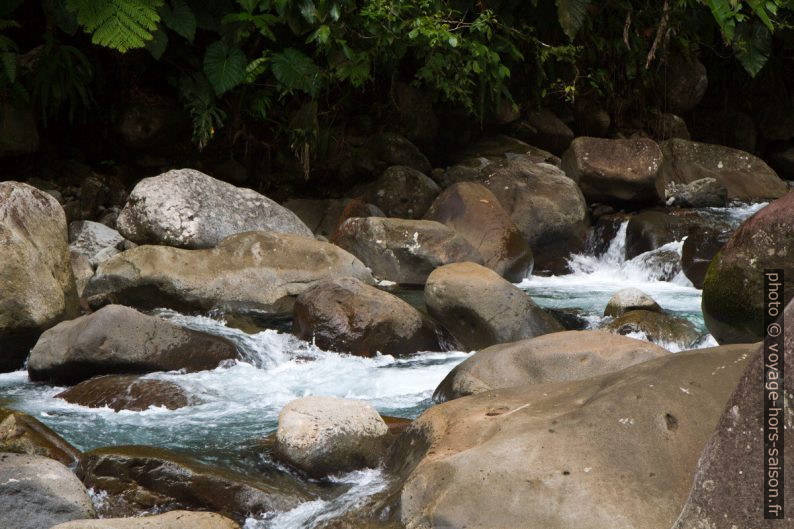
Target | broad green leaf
(759,7)
(752,46)
(248,5)
(224,66)
(296,71)
(571,14)
(156,47)
(181,19)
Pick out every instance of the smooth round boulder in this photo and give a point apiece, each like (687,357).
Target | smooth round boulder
(401,192)
(686,81)
(92,240)
(475,213)
(169,520)
(142,478)
(700,247)
(650,230)
(404,251)
(479,308)
(253,272)
(38,492)
(349,316)
(746,177)
(733,291)
(555,357)
(702,193)
(324,435)
(117,339)
(546,205)
(657,327)
(628,299)
(545,130)
(617,172)
(21,433)
(37,289)
(616,451)
(126,392)
(189,209)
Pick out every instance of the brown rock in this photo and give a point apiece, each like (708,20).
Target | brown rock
(126,392)
(21,433)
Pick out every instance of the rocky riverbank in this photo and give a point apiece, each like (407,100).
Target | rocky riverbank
(565,416)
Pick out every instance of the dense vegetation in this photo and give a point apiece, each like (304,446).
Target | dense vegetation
(257,76)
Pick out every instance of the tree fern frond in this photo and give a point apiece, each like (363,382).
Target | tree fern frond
(119,24)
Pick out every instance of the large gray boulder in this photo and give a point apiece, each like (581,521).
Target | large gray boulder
(476,214)
(733,301)
(401,192)
(189,209)
(404,251)
(37,492)
(546,206)
(37,289)
(617,172)
(746,177)
(349,316)
(169,520)
(555,357)
(118,339)
(323,435)
(480,309)
(246,273)
(616,451)
(93,240)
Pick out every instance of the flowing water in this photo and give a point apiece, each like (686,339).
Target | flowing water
(238,403)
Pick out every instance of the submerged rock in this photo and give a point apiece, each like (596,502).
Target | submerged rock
(21,433)
(246,273)
(616,451)
(37,492)
(476,214)
(349,316)
(118,339)
(628,299)
(323,435)
(480,309)
(650,230)
(188,209)
(656,327)
(126,392)
(733,301)
(37,289)
(404,251)
(170,520)
(619,172)
(139,478)
(555,357)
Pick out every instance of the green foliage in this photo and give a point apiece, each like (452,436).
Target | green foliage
(571,14)
(225,66)
(119,24)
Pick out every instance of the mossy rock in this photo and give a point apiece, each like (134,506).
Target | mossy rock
(21,433)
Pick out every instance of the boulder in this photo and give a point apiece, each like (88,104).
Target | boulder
(703,193)
(745,176)
(118,339)
(628,299)
(591,118)
(404,251)
(476,214)
(666,126)
(733,303)
(499,146)
(657,327)
(38,492)
(618,172)
(401,192)
(700,247)
(783,162)
(37,289)
(92,238)
(730,475)
(546,205)
(349,316)
(188,209)
(616,451)
(246,273)
(21,433)
(140,478)
(659,265)
(480,309)
(650,230)
(126,392)
(555,357)
(324,435)
(545,130)
(393,149)
(685,83)
(81,270)
(324,216)
(169,520)
(18,131)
